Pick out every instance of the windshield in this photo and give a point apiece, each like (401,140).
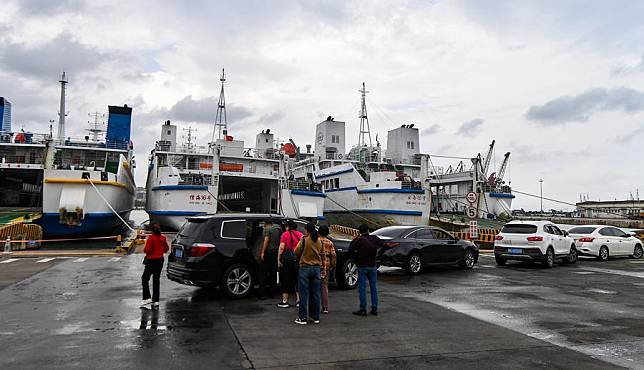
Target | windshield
(390,232)
(582,230)
(519,229)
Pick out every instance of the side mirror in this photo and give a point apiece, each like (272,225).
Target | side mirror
(566,233)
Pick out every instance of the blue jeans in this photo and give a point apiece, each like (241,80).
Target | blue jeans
(309,278)
(371,274)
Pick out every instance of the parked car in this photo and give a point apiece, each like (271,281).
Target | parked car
(534,241)
(216,251)
(416,247)
(603,241)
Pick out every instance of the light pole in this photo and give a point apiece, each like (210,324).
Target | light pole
(541,193)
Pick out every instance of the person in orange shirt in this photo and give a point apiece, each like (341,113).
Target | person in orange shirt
(155,248)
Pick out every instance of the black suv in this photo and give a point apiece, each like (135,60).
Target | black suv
(216,250)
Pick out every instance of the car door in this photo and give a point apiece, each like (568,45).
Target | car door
(624,245)
(427,246)
(606,238)
(562,242)
(450,251)
(551,237)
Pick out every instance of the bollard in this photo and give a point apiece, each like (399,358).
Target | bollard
(7,245)
(118,241)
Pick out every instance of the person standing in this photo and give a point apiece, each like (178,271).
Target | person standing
(268,258)
(364,249)
(287,262)
(328,263)
(310,252)
(155,248)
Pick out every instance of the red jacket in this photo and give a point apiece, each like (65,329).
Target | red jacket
(155,247)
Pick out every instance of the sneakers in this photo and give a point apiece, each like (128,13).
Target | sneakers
(374,312)
(301,322)
(360,313)
(316,321)
(297,304)
(282,304)
(325,311)
(146,303)
(155,305)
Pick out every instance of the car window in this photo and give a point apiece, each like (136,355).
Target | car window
(617,232)
(235,229)
(556,230)
(441,234)
(548,229)
(582,230)
(605,232)
(519,229)
(190,231)
(390,232)
(412,235)
(424,234)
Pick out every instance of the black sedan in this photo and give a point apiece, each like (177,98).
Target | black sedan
(415,247)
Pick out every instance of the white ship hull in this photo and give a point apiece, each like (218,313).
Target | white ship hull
(72,207)
(169,205)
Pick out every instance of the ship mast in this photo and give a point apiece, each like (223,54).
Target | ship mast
(364,120)
(61,114)
(189,146)
(221,125)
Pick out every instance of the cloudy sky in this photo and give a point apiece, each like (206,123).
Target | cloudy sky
(560,84)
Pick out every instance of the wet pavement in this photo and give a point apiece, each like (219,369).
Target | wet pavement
(83,313)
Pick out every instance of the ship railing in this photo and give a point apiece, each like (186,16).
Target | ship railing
(22,137)
(87,143)
(271,169)
(411,185)
(241,152)
(21,159)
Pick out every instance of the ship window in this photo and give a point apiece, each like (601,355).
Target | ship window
(337,183)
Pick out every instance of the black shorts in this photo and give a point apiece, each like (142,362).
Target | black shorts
(288,276)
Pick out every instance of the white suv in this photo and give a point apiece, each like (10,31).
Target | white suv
(603,241)
(539,241)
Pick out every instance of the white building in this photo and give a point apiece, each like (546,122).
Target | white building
(403,144)
(611,209)
(330,139)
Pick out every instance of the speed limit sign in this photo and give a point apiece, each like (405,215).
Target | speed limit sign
(471,212)
(471,197)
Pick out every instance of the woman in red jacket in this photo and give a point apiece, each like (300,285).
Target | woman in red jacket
(155,247)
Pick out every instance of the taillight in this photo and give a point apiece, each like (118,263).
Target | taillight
(200,249)
(391,244)
(498,237)
(585,239)
(535,238)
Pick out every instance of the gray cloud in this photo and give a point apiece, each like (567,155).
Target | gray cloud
(628,69)
(631,135)
(470,128)
(49,59)
(430,130)
(580,108)
(48,7)
(203,110)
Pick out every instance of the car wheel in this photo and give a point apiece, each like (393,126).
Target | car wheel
(347,274)
(414,263)
(603,253)
(500,261)
(237,281)
(572,256)
(549,258)
(468,260)
(637,252)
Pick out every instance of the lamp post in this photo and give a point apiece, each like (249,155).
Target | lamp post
(541,193)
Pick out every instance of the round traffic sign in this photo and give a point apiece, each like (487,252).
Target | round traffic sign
(471,212)
(471,197)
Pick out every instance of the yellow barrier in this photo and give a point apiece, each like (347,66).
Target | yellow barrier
(484,235)
(345,230)
(20,233)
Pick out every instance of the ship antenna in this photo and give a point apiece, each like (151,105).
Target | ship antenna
(95,129)
(61,114)
(189,130)
(221,125)
(364,119)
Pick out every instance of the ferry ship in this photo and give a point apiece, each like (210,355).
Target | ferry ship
(224,176)
(75,187)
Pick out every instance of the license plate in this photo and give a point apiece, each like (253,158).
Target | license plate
(515,250)
(178,253)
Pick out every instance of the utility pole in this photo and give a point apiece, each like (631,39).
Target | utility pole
(541,193)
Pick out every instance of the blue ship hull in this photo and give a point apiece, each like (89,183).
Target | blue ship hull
(94,224)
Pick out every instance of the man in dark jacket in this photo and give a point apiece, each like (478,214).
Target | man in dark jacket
(364,249)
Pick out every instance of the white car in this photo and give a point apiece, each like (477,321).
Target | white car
(535,241)
(603,241)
